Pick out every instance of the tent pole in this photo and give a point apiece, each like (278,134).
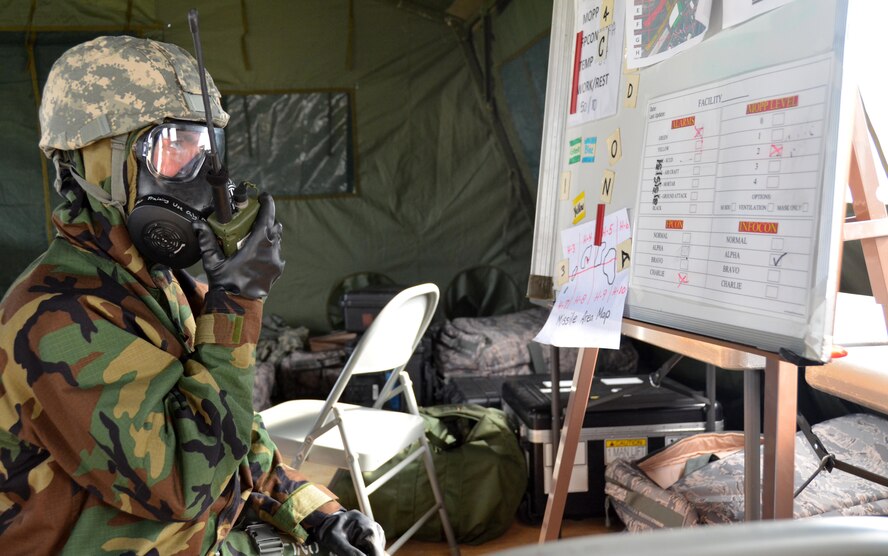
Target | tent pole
(499,131)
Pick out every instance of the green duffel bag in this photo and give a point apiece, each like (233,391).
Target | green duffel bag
(481,469)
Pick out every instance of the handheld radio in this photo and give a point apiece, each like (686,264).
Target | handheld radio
(235,208)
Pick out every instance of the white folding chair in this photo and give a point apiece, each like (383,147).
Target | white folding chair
(331,433)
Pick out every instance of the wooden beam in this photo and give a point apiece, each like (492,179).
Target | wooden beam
(581,388)
(781,390)
(865,229)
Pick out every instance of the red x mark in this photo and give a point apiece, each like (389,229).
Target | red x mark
(682,279)
(776,150)
(698,132)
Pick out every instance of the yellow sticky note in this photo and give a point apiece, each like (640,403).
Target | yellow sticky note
(607,13)
(624,255)
(561,273)
(602,44)
(630,93)
(564,186)
(607,186)
(579,207)
(614,149)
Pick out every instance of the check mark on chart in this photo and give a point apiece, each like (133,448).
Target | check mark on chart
(776,260)
(776,150)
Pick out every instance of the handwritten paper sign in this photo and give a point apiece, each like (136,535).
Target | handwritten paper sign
(588,309)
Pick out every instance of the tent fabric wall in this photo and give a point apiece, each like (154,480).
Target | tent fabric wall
(434,196)
(23,232)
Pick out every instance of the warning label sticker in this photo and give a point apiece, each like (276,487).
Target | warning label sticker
(624,448)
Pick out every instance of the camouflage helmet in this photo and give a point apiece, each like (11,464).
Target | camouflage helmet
(114,85)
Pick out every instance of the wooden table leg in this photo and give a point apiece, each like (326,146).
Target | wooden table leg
(581,388)
(781,385)
(752,434)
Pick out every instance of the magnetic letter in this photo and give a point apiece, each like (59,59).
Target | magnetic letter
(607,186)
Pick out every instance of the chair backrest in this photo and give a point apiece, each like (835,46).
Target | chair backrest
(395,332)
(389,341)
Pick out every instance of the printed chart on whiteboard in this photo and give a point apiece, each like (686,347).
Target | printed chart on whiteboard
(730,190)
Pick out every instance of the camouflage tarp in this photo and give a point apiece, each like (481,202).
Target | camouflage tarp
(641,504)
(861,440)
(498,346)
(714,493)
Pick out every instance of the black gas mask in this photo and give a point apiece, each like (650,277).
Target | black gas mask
(172,191)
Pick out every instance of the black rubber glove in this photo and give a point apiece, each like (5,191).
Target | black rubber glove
(350,533)
(252,270)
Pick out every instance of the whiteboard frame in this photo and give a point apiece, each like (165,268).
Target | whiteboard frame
(796,31)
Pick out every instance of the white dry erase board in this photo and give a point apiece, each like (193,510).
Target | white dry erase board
(733,165)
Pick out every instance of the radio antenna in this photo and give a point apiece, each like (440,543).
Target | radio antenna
(219,180)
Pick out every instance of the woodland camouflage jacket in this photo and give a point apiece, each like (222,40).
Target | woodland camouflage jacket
(126,424)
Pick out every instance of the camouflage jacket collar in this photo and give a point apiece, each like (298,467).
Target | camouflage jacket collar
(89,225)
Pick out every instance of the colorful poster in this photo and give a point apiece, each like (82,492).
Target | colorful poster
(598,56)
(588,310)
(657,30)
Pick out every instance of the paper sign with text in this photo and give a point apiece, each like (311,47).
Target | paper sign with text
(588,309)
(598,61)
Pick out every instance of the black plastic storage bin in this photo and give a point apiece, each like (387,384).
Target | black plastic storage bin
(304,374)
(360,306)
(486,391)
(632,419)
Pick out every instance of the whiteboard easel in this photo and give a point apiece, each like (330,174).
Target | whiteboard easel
(871,227)
(740,244)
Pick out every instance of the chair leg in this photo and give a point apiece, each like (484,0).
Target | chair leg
(354,468)
(439,497)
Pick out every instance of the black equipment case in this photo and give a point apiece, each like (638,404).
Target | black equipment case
(360,306)
(626,418)
(486,391)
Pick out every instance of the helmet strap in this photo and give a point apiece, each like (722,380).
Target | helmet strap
(132,167)
(72,162)
(97,192)
(76,160)
(118,157)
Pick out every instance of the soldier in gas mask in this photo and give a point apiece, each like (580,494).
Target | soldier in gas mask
(126,423)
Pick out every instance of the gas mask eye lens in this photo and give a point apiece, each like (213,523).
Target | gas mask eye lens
(176,151)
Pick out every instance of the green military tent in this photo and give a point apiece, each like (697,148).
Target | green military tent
(400,138)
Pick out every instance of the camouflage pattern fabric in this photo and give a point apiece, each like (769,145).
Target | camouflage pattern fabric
(126,424)
(498,346)
(263,386)
(492,346)
(641,504)
(278,339)
(859,439)
(714,493)
(113,85)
